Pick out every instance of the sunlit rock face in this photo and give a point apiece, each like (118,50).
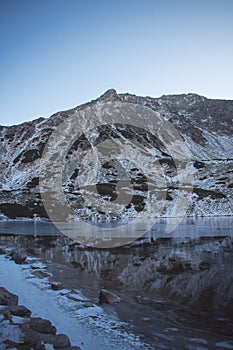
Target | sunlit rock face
(205,125)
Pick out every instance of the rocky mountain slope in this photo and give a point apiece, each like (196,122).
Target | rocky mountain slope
(205,125)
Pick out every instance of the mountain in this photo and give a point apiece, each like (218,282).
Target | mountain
(205,125)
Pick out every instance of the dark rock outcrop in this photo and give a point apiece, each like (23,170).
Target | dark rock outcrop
(7,298)
(42,326)
(20,310)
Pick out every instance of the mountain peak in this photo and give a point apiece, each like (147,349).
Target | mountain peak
(110,93)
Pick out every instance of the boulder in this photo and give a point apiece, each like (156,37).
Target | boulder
(31,337)
(35,339)
(56,285)
(42,274)
(42,326)
(37,267)
(7,298)
(7,315)
(106,297)
(17,257)
(2,251)
(59,341)
(20,310)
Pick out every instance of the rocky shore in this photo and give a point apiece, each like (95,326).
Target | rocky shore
(18,329)
(35,326)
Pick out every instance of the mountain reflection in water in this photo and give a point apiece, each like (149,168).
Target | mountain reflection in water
(185,280)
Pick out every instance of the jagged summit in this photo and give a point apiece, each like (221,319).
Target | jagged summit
(178,103)
(109,94)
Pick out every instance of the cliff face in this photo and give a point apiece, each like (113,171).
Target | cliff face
(205,125)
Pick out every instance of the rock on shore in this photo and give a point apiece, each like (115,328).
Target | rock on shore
(21,331)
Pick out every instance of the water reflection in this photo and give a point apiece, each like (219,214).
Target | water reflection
(180,268)
(192,271)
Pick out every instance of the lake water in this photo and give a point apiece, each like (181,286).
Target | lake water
(176,288)
(189,227)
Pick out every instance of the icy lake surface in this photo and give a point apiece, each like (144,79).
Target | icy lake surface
(189,227)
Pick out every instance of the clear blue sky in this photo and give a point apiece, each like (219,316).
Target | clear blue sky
(57,54)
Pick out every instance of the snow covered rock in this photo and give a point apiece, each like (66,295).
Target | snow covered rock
(205,125)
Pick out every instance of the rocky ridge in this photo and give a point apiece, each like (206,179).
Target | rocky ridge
(204,124)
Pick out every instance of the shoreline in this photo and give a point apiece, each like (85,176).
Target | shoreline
(46,220)
(44,302)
